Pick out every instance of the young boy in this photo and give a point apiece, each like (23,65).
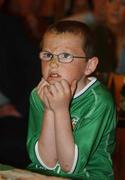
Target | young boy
(72,115)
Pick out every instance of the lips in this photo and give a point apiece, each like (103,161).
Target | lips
(53,76)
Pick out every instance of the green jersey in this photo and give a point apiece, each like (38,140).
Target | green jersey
(93,118)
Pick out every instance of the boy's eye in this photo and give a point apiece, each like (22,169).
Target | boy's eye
(46,55)
(65,55)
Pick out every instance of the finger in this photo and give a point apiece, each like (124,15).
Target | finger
(42,83)
(53,89)
(47,91)
(73,86)
(39,84)
(65,86)
(46,101)
(39,90)
(48,94)
(57,87)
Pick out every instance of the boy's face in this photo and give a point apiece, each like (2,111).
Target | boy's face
(54,70)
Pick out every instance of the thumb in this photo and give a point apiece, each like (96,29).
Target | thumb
(73,86)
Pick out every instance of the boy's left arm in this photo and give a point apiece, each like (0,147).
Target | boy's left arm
(59,96)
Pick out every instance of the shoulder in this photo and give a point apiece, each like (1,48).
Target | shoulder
(96,96)
(103,97)
(35,100)
(34,96)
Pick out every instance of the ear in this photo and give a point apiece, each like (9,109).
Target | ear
(91,66)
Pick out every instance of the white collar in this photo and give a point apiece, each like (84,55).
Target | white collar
(92,80)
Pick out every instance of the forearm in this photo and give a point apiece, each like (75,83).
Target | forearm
(46,142)
(58,97)
(64,139)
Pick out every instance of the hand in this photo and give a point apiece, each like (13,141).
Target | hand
(59,94)
(40,90)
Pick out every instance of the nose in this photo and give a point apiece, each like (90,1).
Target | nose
(54,62)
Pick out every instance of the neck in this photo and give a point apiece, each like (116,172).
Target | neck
(82,85)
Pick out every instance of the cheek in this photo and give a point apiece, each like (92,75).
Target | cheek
(44,68)
(74,73)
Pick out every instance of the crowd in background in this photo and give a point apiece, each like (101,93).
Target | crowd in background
(107,20)
(22,24)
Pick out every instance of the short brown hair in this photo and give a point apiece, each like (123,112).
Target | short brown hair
(77,28)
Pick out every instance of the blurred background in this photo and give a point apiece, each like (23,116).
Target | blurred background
(22,25)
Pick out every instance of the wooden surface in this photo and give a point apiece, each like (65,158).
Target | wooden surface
(18,174)
(119,156)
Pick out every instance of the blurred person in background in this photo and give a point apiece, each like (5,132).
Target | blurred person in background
(19,73)
(28,12)
(115,21)
(52,10)
(87,11)
(92,13)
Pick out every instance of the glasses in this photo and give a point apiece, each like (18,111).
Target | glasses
(62,57)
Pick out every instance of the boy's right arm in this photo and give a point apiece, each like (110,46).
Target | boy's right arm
(46,155)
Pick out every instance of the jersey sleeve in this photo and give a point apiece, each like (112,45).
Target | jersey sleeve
(34,125)
(95,138)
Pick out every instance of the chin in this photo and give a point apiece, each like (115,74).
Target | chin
(52,81)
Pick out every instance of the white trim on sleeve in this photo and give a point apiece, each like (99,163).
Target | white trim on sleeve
(40,160)
(75,160)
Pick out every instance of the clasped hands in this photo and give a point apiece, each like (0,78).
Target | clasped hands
(57,95)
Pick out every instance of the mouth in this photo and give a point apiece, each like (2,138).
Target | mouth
(53,76)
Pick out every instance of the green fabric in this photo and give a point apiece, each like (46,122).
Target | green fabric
(93,117)
(4,167)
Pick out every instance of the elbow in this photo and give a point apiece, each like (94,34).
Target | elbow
(66,167)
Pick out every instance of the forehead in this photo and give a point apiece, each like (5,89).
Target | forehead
(51,38)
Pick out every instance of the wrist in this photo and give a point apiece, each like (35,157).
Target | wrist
(48,111)
(61,112)
(61,109)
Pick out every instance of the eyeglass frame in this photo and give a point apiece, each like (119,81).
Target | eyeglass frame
(58,58)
